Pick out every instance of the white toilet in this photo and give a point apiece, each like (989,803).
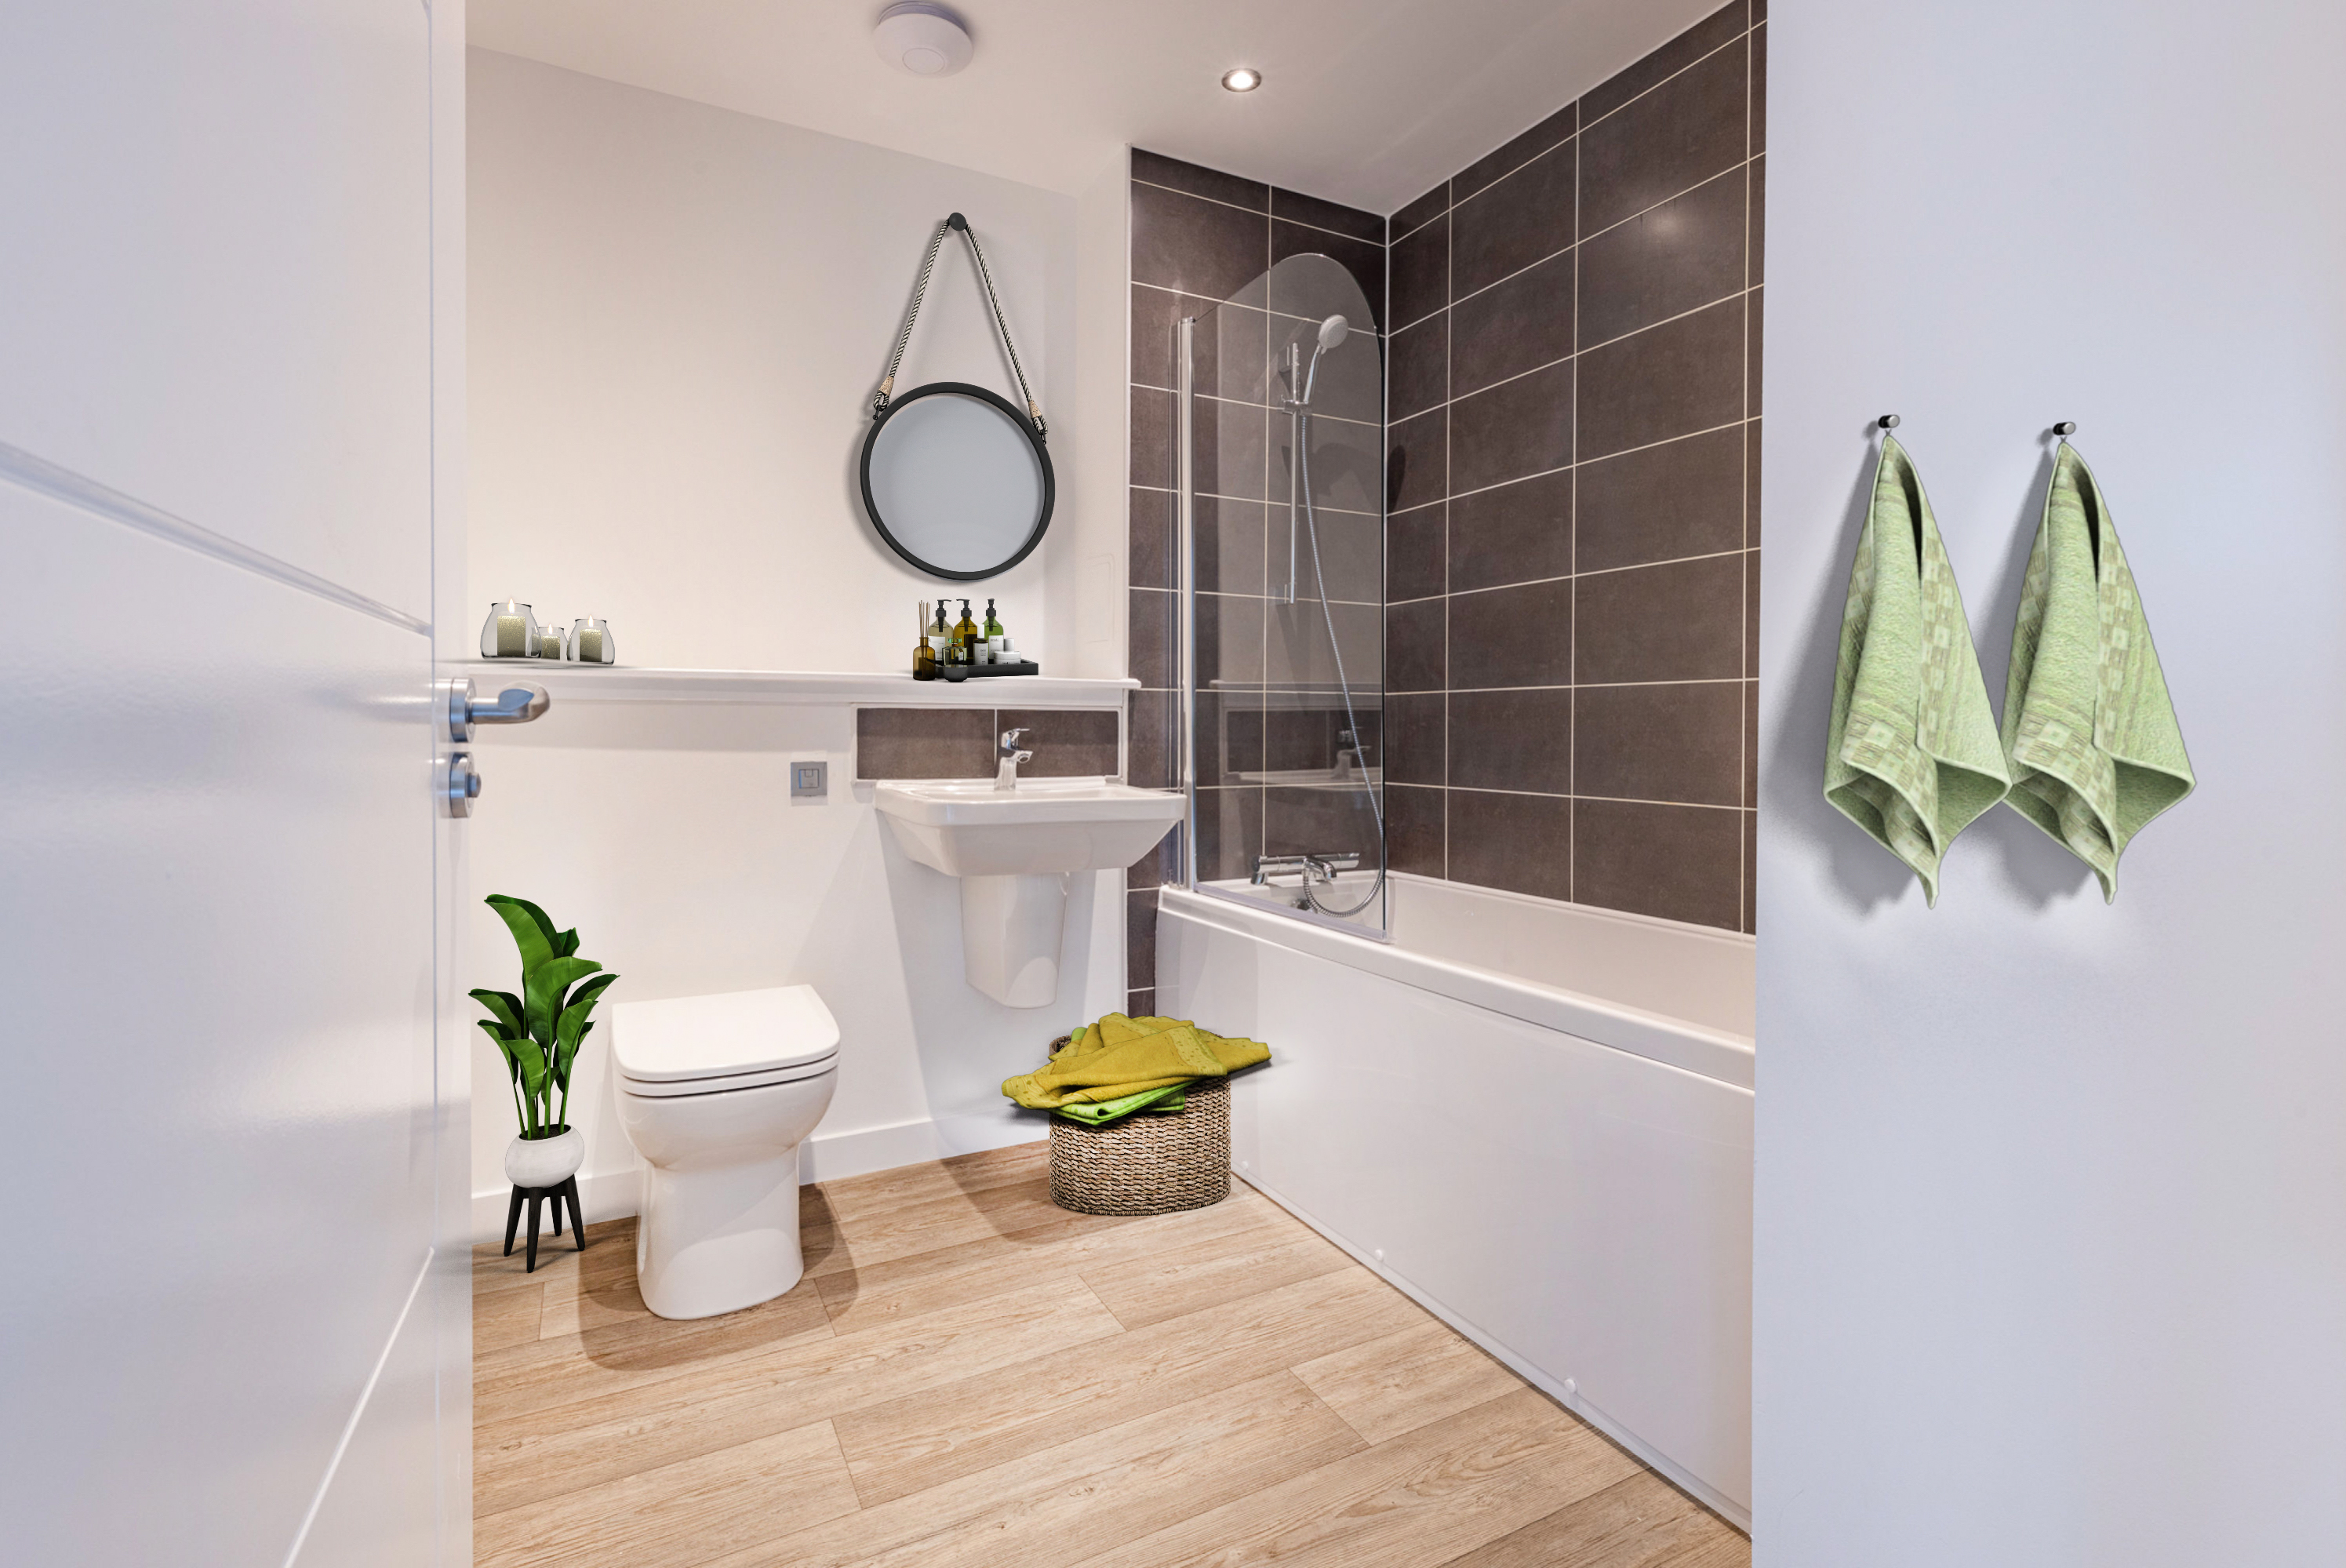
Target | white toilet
(717,1093)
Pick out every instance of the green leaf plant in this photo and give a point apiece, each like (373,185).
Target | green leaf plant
(539,1032)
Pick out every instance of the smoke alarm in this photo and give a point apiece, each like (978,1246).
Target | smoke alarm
(923,38)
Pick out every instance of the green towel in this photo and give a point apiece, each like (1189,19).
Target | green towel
(1912,755)
(1120,1057)
(1170,1098)
(2087,724)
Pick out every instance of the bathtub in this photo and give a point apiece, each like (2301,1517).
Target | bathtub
(1533,1118)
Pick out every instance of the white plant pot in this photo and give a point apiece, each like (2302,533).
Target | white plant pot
(545,1161)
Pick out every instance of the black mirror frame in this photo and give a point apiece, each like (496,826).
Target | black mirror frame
(1016,417)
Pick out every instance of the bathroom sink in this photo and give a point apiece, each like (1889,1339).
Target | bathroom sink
(1043,826)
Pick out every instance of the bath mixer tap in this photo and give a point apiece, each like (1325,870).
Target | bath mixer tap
(1313,869)
(1005,774)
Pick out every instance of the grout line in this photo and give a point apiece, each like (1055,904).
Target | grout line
(1213,305)
(1264,211)
(1552,795)
(1567,686)
(1591,462)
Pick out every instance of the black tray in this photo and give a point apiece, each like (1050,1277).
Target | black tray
(965,671)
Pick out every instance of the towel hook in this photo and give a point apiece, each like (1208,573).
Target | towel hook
(1888,422)
(2067,427)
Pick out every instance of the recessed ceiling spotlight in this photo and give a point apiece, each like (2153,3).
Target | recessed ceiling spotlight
(1244,79)
(922,38)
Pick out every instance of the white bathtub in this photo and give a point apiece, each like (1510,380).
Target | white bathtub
(1534,1117)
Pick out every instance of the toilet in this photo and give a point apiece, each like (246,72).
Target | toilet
(717,1093)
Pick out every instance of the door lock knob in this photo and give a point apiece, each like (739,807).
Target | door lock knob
(460,785)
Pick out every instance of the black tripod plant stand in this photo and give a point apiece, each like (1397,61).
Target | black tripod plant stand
(566,1192)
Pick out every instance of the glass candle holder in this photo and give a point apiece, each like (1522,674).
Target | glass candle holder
(510,632)
(551,643)
(590,641)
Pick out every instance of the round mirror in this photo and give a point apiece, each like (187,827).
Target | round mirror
(957,481)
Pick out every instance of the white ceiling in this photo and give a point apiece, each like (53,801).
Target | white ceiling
(1366,102)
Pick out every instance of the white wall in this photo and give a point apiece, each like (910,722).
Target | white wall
(2051,1221)
(665,833)
(679,314)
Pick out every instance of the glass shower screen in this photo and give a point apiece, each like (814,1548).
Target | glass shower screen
(1281,491)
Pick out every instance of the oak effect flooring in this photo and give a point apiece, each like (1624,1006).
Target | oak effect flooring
(970,1377)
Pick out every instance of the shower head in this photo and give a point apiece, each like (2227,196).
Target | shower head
(1332,331)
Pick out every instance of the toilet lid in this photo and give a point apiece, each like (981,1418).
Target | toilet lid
(726,1035)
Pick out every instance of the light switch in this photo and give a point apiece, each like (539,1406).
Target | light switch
(809,780)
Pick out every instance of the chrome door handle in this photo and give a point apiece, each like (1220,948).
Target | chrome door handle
(518,703)
(459,785)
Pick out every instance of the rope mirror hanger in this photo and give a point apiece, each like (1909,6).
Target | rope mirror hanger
(957,479)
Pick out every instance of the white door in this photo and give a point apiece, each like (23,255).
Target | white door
(228,1318)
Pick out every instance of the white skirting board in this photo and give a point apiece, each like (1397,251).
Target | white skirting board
(616,1194)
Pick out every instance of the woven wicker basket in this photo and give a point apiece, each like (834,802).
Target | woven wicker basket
(1145,1164)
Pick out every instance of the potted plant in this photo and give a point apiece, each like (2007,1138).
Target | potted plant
(538,1033)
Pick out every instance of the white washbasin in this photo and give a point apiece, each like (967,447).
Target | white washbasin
(1043,826)
(1012,851)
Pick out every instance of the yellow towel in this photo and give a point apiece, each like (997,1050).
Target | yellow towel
(1120,1055)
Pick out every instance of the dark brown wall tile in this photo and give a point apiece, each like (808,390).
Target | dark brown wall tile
(1415,546)
(1752,872)
(1231,349)
(1679,621)
(1680,52)
(1229,832)
(1156,319)
(1526,216)
(1363,259)
(1517,428)
(1419,373)
(1755,311)
(1229,540)
(1512,740)
(1687,252)
(1417,459)
(1151,718)
(1196,179)
(1415,738)
(1679,862)
(1751,484)
(1421,273)
(1672,380)
(1677,135)
(1140,1003)
(1505,331)
(1750,743)
(1067,743)
(1521,843)
(1320,822)
(1417,214)
(1229,737)
(1751,613)
(1153,534)
(1414,829)
(1681,743)
(1512,637)
(1198,247)
(1414,645)
(1140,938)
(1230,639)
(924,743)
(1351,556)
(1232,452)
(1149,638)
(1756,174)
(1513,532)
(1310,210)
(1661,502)
(1300,736)
(1760,89)
(1152,437)
(1553,131)
(1157,867)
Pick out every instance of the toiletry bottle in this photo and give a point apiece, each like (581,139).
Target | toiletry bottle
(939,639)
(993,635)
(964,637)
(924,657)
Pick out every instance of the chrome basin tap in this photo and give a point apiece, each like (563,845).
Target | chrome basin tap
(1005,773)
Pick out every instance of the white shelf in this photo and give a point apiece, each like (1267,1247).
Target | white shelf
(623,683)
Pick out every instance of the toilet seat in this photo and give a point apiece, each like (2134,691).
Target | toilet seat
(726,1083)
(736,1040)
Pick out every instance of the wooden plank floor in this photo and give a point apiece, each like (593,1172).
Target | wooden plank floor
(970,1375)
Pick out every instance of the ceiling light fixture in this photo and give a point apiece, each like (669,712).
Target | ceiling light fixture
(923,38)
(1244,79)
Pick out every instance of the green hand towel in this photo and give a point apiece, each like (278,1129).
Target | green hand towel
(1912,755)
(2088,726)
(1171,1098)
